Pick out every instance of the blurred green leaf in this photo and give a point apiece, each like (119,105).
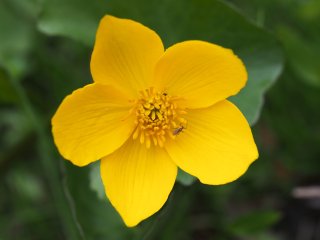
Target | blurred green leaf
(97,217)
(185,178)
(14,126)
(16,34)
(75,19)
(298,31)
(25,184)
(309,11)
(254,222)
(7,93)
(16,133)
(301,55)
(177,21)
(95,180)
(28,9)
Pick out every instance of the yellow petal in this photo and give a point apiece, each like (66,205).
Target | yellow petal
(124,55)
(201,72)
(92,122)
(138,180)
(217,146)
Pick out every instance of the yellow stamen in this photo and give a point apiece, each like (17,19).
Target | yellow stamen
(136,133)
(158,114)
(142,137)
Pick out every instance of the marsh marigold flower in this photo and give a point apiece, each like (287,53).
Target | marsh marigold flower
(150,111)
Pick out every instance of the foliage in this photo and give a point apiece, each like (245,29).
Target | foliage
(45,49)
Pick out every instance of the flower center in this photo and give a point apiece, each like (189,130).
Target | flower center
(158,117)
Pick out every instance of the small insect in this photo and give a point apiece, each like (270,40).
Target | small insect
(178,130)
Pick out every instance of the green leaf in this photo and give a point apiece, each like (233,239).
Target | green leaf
(301,55)
(75,19)
(16,34)
(97,218)
(185,178)
(177,21)
(14,126)
(254,222)
(16,133)
(26,185)
(298,31)
(95,180)
(7,93)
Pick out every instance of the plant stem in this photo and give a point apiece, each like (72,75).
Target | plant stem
(72,228)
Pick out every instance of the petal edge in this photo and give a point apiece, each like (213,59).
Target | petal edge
(124,55)
(91,122)
(138,180)
(217,146)
(201,72)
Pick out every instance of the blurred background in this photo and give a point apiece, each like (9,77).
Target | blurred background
(45,49)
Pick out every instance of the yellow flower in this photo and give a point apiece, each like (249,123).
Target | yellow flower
(152,110)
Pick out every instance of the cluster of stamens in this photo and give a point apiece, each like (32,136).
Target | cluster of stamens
(158,117)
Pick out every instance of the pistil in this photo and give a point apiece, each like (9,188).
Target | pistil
(158,117)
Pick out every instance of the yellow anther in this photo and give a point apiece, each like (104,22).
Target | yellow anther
(147,105)
(147,112)
(158,115)
(136,133)
(157,105)
(153,115)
